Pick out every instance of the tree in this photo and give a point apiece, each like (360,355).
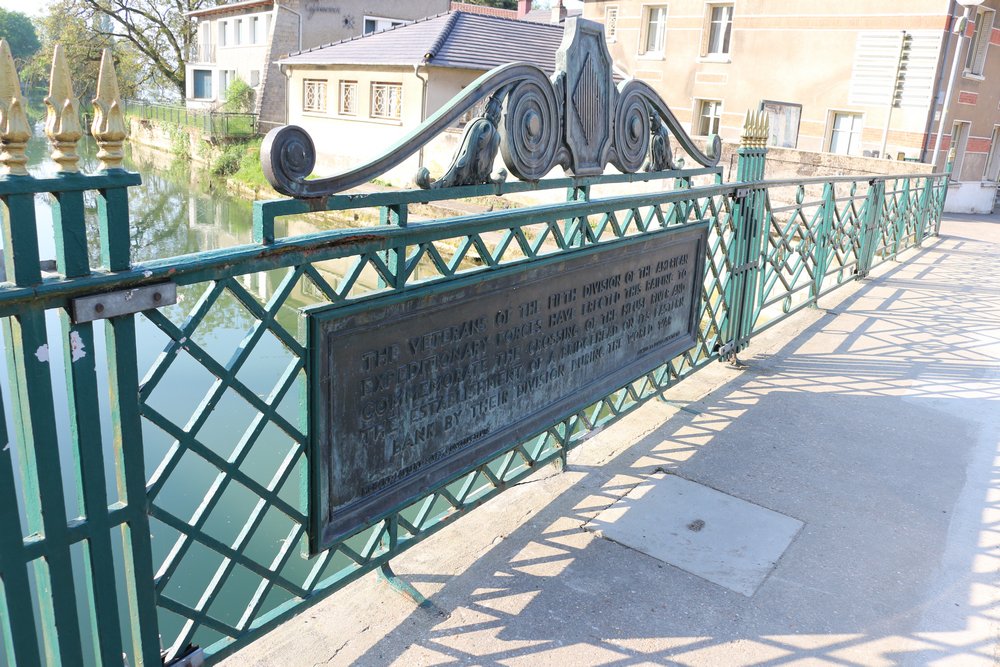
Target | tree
(158,32)
(83,46)
(17,29)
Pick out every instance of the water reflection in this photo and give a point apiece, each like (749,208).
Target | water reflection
(175,211)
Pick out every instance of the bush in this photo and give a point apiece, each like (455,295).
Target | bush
(239,97)
(228,162)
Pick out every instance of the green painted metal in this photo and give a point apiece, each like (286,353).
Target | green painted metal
(774,247)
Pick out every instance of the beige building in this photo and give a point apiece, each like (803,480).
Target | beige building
(244,40)
(846,76)
(358,97)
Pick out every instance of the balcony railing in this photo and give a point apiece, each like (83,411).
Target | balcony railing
(202,54)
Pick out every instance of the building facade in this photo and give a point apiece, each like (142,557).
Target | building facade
(844,76)
(244,40)
(370,92)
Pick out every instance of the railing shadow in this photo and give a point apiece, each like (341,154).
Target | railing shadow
(875,426)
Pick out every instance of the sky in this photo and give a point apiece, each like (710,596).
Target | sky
(29,7)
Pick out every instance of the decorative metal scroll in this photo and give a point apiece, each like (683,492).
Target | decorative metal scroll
(577,119)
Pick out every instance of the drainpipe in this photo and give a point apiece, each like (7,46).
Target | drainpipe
(287,73)
(423,106)
(279,6)
(959,47)
(892,95)
(938,82)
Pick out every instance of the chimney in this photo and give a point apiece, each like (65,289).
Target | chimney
(558,12)
(523,7)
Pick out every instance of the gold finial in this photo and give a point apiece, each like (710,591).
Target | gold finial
(14,128)
(747,134)
(108,127)
(756,127)
(62,125)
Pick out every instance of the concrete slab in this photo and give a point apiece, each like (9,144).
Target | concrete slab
(710,534)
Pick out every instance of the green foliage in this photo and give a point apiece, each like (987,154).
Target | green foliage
(240,161)
(20,34)
(240,97)
(228,162)
(152,38)
(250,171)
(180,142)
(82,47)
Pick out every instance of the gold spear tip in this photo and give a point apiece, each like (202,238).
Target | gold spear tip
(14,128)
(108,128)
(62,124)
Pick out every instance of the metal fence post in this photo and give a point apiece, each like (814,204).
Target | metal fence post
(868,238)
(939,208)
(822,241)
(902,211)
(579,236)
(743,253)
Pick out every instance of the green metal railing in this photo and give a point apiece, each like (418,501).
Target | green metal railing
(211,123)
(155,570)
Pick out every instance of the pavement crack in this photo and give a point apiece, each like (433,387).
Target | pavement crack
(334,655)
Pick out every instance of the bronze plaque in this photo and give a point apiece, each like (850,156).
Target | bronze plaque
(408,390)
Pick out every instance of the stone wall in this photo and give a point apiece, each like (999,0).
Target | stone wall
(792,163)
(271,108)
(162,137)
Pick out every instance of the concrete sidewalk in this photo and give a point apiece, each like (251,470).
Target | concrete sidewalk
(874,421)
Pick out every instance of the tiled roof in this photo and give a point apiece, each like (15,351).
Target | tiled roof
(452,39)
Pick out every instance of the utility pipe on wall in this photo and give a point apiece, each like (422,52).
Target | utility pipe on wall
(959,48)
(892,94)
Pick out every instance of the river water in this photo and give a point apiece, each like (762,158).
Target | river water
(174,212)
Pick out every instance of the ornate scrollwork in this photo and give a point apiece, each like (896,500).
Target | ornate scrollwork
(632,129)
(288,156)
(473,163)
(577,119)
(531,129)
(660,155)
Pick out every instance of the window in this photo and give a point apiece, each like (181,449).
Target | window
(378,23)
(205,52)
(223,33)
(314,95)
(202,84)
(226,78)
(959,140)
(611,22)
(254,30)
(254,78)
(845,133)
(720,27)
(655,27)
(992,171)
(783,123)
(709,116)
(348,104)
(386,100)
(238,32)
(976,58)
